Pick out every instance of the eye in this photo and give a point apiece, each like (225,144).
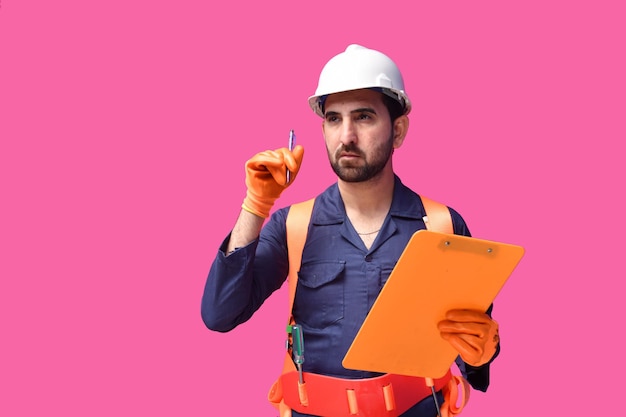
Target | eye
(363,116)
(331,118)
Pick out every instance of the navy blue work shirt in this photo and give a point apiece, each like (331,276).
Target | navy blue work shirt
(338,282)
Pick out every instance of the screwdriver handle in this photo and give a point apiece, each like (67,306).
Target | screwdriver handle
(298,344)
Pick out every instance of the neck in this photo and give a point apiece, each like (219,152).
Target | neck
(367,203)
(368,197)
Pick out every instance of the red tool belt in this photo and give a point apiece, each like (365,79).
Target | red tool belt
(386,395)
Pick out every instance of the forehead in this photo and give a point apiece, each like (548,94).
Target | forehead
(354,98)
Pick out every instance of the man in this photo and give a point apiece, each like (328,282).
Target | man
(358,229)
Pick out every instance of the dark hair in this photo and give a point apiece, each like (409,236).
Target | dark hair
(393,107)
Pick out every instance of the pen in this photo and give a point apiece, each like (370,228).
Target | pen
(292,143)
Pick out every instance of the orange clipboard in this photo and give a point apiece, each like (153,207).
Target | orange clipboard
(435,273)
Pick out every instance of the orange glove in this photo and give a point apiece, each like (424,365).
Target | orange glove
(266,178)
(472,333)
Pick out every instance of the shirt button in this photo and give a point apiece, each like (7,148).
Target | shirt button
(368,258)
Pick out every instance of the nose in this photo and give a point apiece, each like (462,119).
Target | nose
(348,132)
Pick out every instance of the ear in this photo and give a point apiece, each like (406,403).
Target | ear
(400,129)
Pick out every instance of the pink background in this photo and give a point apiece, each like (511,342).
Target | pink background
(125,126)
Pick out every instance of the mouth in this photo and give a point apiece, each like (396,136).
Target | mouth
(348,152)
(349,155)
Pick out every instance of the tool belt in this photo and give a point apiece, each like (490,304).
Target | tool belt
(387,395)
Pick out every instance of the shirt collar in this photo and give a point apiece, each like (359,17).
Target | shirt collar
(331,210)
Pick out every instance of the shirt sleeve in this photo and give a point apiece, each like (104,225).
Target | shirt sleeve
(239,283)
(458,224)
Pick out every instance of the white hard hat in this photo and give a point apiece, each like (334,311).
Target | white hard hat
(356,68)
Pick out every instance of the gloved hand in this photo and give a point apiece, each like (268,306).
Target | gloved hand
(266,178)
(472,333)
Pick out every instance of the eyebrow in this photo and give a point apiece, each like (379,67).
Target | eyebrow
(359,110)
(364,110)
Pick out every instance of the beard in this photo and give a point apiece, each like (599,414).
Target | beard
(373,165)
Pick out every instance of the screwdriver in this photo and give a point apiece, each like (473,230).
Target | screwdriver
(431,384)
(298,349)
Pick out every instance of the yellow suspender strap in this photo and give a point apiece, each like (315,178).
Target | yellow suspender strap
(297,227)
(437,218)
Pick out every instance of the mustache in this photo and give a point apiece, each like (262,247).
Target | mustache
(350,148)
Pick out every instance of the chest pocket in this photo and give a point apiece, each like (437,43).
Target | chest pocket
(319,299)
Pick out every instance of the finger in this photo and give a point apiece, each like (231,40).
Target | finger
(279,173)
(298,153)
(293,159)
(470,316)
(468,351)
(264,160)
(479,330)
